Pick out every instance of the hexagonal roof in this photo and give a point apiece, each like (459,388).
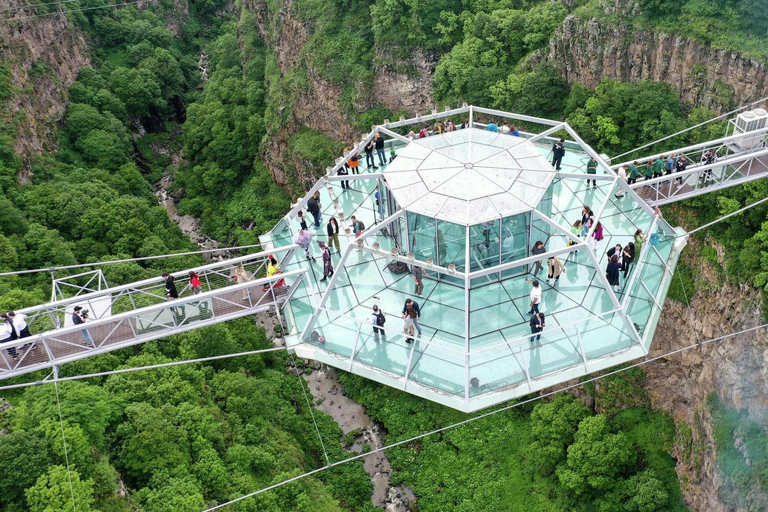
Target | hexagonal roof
(469,176)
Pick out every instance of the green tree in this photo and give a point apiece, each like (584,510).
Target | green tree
(138,89)
(25,457)
(53,493)
(596,460)
(645,493)
(553,426)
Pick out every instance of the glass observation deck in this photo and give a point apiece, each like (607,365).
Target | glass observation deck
(468,207)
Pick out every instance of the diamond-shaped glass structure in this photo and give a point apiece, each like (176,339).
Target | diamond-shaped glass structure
(468,207)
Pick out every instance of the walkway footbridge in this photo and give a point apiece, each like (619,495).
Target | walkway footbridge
(476,349)
(127,315)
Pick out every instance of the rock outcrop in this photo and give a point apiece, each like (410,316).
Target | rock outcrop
(44,55)
(736,368)
(317,105)
(587,51)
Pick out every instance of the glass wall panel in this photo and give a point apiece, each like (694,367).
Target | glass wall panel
(515,241)
(451,247)
(485,249)
(421,236)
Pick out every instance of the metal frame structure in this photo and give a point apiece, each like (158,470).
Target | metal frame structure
(467,353)
(140,312)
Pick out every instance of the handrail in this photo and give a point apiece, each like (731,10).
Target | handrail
(155,280)
(35,338)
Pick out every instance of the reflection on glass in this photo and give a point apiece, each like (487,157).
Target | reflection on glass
(421,231)
(451,247)
(514,242)
(484,245)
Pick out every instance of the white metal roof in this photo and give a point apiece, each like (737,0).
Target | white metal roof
(469,176)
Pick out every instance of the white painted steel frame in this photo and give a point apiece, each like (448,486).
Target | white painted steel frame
(45,338)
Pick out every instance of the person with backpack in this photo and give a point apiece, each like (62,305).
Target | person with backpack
(357,226)
(327,265)
(423,133)
(377,321)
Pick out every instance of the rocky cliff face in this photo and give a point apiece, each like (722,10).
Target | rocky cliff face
(736,368)
(587,51)
(318,104)
(44,55)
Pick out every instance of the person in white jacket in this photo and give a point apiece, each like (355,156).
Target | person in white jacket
(7,334)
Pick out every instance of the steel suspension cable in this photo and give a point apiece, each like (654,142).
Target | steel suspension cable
(64,443)
(127,260)
(720,219)
(139,368)
(17,18)
(690,128)
(484,415)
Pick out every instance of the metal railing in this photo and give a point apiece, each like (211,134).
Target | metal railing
(138,312)
(702,178)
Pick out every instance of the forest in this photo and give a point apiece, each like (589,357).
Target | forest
(192,436)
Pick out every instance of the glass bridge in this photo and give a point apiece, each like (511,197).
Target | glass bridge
(468,207)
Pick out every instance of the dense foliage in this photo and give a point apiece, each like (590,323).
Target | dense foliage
(180,438)
(556,455)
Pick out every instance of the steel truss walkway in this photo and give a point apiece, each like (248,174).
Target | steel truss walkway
(135,313)
(734,166)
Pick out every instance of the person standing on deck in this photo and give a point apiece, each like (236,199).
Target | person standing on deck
(369,153)
(79,317)
(537,325)
(558,152)
(379,143)
(535,296)
(592,169)
(410,303)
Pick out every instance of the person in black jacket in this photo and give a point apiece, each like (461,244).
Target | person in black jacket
(171,293)
(627,257)
(314,209)
(412,303)
(379,143)
(369,156)
(612,271)
(558,151)
(614,250)
(537,325)
(344,171)
(78,317)
(170,287)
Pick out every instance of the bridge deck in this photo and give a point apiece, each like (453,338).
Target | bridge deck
(220,301)
(701,179)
